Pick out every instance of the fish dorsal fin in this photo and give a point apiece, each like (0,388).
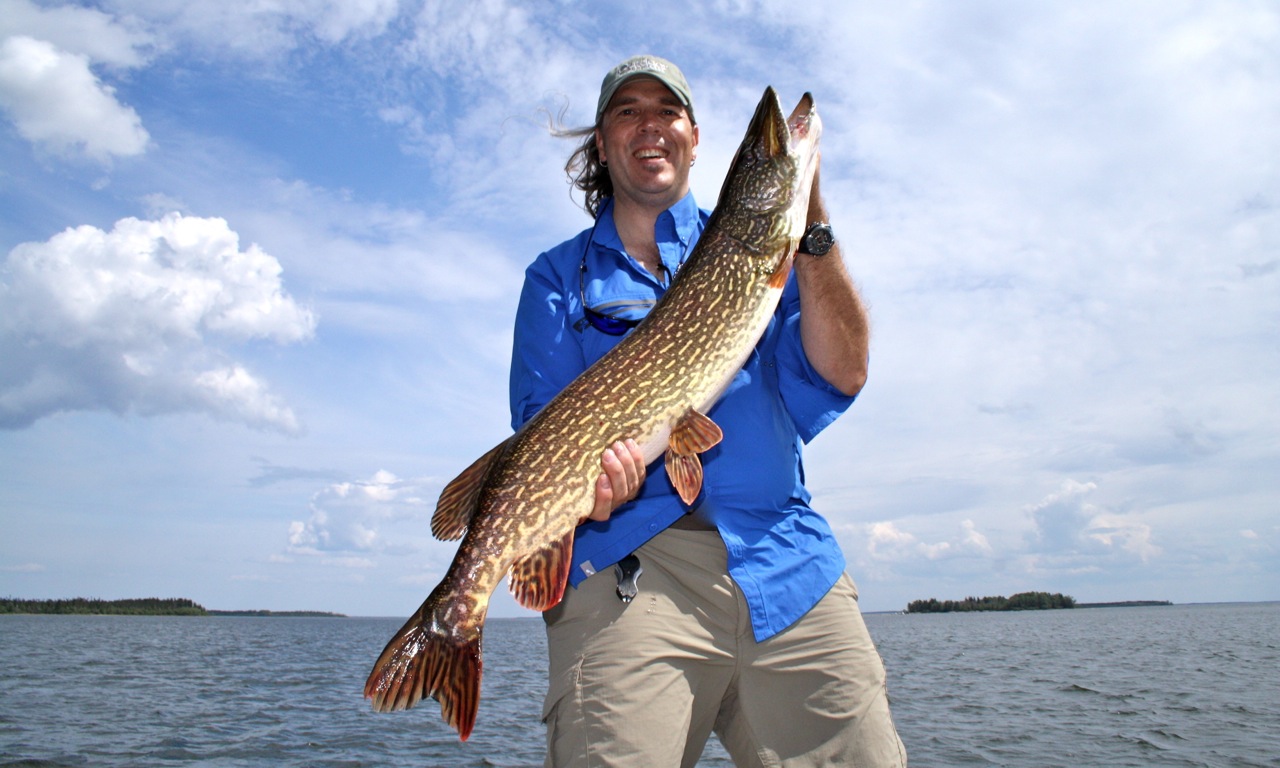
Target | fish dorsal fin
(458,500)
(694,433)
(538,579)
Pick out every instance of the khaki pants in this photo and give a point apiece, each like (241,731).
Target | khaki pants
(644,684)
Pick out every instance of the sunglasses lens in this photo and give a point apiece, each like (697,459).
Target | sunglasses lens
(614,326)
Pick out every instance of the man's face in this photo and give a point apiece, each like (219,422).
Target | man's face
(647,141)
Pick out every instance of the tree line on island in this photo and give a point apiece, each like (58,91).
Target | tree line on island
(1023,601)
(145,606)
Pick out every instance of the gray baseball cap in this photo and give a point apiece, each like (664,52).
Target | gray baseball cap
(649,66)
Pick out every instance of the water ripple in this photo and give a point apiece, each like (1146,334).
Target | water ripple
(1169,686)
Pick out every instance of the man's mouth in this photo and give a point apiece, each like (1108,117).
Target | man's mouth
(650,153)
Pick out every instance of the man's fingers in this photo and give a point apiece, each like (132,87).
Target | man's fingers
(632,460)
(624,473)
(604,500)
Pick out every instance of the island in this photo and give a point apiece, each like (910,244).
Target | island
(146,606)
(1023,601)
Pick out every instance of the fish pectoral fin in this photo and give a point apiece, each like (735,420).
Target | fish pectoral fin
(694,433)
(685,473)
(458,500)
(538,579)
(778,280)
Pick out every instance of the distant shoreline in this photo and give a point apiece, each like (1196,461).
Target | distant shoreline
(1124,604)
(282,614)
(148,606)
(1022,601)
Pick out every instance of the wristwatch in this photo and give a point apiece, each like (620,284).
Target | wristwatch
(818,239)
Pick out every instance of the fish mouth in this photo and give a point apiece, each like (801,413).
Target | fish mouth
(803,131)
(804,125)
(797,133)
(778,159)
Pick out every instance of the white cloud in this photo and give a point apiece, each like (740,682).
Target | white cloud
(350,517)
(1069,529)
(1061,518)
(973,539)
(1068,534)
(336,20)
(233,393)
(888,543)
(22,568)
(56,101)
(259,29)
(103,38)
(136,319)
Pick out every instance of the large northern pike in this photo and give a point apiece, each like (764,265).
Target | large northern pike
(517,506)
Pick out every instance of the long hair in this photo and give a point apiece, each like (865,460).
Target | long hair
(584,169)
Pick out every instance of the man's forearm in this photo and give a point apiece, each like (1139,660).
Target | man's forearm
(834,327)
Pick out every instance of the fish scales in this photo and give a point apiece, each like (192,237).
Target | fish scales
(516,507)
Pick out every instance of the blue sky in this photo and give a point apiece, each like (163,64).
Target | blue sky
(259,262)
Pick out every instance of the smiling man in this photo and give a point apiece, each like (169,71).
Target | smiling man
(738,617)
(648,141)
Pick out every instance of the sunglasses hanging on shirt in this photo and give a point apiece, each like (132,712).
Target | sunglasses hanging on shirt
(603,321)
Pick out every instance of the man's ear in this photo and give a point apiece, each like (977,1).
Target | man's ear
(600,146)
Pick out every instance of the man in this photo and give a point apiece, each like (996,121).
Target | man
(743,621)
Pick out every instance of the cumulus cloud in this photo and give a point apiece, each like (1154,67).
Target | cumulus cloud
(1067,526)
(138,318)
(112,41)
(1068,533)
(886,542)
(56,101)
(347,518)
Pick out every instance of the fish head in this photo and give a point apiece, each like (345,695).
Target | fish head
(765,199)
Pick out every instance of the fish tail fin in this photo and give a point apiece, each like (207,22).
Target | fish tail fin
(423,659)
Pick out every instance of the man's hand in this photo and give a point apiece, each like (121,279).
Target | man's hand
(624,472)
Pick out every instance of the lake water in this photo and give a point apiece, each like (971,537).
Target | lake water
(1159,686)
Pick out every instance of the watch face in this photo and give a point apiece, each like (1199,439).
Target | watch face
(819,239)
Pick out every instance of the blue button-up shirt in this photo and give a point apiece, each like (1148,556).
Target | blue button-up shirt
(782,555)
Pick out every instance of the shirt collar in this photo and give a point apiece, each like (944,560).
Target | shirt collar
(675,230)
